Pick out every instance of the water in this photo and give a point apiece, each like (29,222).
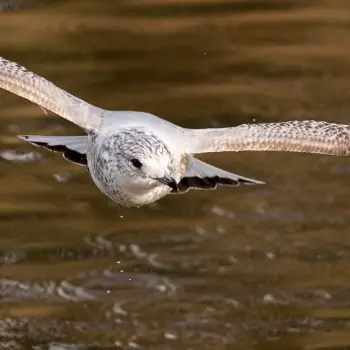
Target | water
(263,267)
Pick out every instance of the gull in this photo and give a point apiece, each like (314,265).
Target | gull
(136,158)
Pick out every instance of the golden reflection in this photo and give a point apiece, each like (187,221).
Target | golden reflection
(222,268)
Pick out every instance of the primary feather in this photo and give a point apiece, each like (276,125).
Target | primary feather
(73,148)
(308,136)
(20,81)
(203,176)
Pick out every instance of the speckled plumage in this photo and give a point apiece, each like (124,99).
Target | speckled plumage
(293,136)
(108,163)
(136,158)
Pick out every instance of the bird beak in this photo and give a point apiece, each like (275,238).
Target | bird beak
(168,181)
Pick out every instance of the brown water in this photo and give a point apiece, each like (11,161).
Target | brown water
(249,268)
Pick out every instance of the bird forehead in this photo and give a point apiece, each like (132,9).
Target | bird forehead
(140,141)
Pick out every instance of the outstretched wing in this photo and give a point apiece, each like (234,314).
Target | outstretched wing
(74,148)
(24,83)
(307,136)
(203,176)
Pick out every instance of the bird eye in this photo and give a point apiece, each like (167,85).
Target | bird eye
(136,163)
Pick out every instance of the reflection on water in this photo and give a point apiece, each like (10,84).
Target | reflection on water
(248,268)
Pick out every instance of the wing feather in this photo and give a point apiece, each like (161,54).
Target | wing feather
(24,83)
(203,176)
(73,148)
(307,136)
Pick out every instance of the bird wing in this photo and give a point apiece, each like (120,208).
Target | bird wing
(20,81)
(203,176)
(307,136)
(74,148)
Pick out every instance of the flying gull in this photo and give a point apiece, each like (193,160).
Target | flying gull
(136,158)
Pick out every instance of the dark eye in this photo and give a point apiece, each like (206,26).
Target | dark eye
(136,163)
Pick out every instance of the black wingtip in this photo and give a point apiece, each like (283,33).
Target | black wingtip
(212,182)
(71,155)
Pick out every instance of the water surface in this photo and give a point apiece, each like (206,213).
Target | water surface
(263,267)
